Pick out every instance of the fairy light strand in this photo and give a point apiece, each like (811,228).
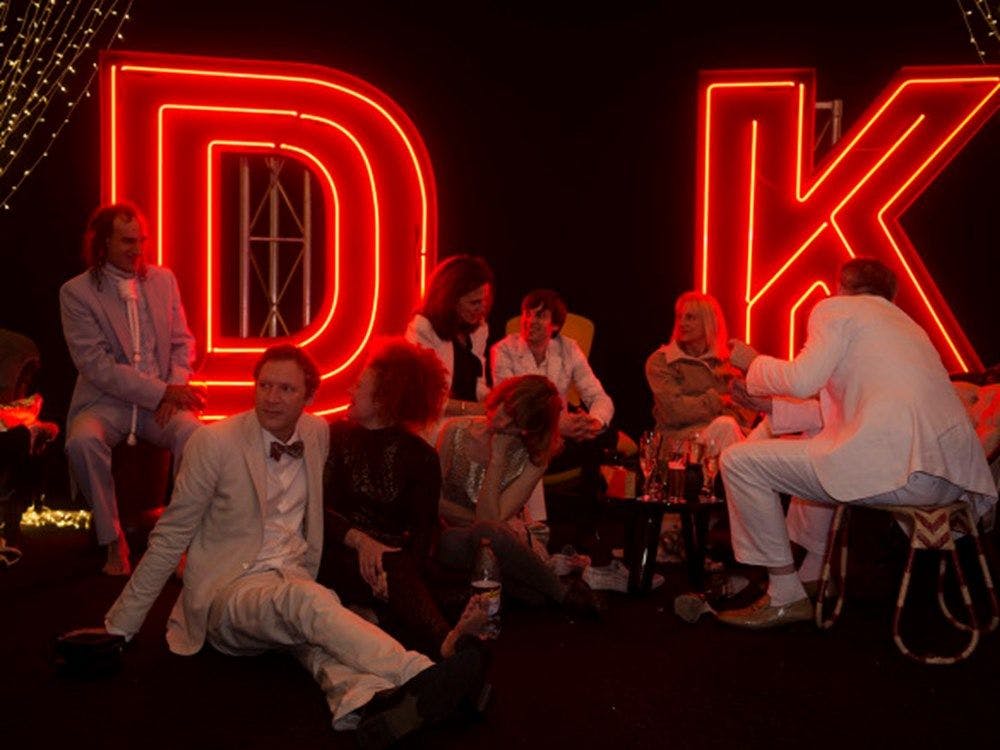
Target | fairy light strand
(980,13)
(48,51)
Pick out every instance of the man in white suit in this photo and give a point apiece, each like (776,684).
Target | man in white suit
(893,431)
(248,508)
(127,335)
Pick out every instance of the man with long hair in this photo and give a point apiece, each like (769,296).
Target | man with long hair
(127,335)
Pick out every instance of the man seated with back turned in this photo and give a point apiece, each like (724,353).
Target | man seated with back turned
(248,508)
(893,432)
(127,335)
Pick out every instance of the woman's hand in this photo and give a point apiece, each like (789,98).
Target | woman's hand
(370,553)
(500,442)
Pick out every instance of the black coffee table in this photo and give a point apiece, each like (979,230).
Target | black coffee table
(644,517)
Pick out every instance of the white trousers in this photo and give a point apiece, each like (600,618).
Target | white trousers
(350,658)
(756,471)
(89,440)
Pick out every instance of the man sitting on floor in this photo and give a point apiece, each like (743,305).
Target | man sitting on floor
(893,432)
(248,508)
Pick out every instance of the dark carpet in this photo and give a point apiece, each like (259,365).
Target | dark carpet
(639,678)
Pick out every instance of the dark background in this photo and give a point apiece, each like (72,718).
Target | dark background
(562,138)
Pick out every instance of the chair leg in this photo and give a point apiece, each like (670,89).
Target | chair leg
(950,616)
(836,544)
(928,534)
(991,593)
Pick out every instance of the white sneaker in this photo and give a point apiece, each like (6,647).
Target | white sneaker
(565,562)
(613,577)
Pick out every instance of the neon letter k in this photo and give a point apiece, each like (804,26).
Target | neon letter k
(774,229)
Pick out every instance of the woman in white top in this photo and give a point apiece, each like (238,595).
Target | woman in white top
(452,322)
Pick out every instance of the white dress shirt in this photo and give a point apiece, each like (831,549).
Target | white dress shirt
(564,364)
(283,510)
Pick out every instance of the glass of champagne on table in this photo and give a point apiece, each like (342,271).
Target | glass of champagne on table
(710,467)
(649,454)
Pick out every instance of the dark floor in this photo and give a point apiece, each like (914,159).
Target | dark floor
(639,678)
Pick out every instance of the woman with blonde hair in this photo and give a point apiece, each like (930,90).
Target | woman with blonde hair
(690,376)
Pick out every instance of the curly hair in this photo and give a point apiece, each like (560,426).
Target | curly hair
(411,384)
(100,227)
(452,279)
(291,353)
(533,404)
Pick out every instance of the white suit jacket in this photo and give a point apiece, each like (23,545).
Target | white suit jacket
(888,406)
(215,513)
(96,329)
(565,365)
(420,331)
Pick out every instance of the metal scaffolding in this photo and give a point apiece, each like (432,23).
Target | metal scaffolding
(832,127)
(261,228)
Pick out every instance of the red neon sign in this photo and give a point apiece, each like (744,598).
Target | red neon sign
(166,122)
(774,229)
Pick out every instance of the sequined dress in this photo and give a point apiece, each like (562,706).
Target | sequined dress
(464,475)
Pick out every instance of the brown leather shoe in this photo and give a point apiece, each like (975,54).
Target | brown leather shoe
(761,614)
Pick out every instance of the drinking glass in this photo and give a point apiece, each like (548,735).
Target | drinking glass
(649,453)
(710,467)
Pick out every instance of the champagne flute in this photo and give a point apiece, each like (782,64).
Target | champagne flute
(710,467)
(649,450)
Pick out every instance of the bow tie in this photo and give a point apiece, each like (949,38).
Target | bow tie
(294,449)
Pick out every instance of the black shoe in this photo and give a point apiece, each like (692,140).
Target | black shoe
(429,698)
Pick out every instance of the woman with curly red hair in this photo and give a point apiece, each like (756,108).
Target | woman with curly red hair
(380,493)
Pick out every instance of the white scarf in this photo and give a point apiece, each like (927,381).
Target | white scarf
(128,290)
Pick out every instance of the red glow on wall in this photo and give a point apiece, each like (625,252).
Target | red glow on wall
(166,122)
(774,228)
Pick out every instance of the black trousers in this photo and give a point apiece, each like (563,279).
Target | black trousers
(411,614)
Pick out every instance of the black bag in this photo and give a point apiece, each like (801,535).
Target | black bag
(85,653)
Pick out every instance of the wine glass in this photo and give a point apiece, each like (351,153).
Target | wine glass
(710,467)
(649,454)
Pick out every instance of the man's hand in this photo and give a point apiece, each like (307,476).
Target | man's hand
(370,553)
(187,397)
(738,390)
(741,355)
(579,426)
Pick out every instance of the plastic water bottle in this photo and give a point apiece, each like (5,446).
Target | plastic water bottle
(486,581)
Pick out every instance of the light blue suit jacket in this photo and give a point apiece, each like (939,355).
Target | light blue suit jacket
(96,330)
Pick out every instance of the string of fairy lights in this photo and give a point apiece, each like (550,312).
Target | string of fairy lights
(48,61)
(979,18)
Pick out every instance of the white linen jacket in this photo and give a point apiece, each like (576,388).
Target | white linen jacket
(888,407)
(216,514)
(420,331)
(564,364)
